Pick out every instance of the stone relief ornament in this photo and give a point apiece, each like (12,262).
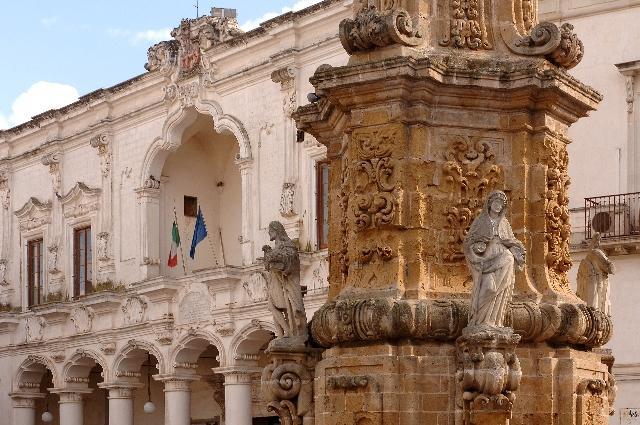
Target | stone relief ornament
(469,174)
(35,326)
(82,318)
(488,374)
(189,50)
(558,228)
(373,172)
(52,161)
(52,259)
(34,214)
(217,29)
(256,287)
(80,201)
(468,26)
(493,253)
(5,190)
(102,246)
(593,278)
(373,29)
(287,200)
(3,273)
(162,56)
(133,310)
(283,286)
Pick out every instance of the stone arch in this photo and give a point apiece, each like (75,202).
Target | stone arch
(251,338)
(191,347)
(80,364)
(131,357)
(31,371)
(178,120)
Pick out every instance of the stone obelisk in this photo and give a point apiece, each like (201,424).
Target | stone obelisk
(441,103)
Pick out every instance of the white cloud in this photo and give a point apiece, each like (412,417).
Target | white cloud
(299,5)
(38,98)
(152,36)
(49,21)
(135,38)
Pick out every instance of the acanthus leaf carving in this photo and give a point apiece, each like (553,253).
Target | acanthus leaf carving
(372,29)
(287,200)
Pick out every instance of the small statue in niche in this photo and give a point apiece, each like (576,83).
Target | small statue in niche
(283,285)
(593,277)
(492,254)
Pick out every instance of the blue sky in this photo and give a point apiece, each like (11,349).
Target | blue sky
(54,51)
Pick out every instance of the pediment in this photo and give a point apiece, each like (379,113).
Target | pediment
(34,214)
(80,200)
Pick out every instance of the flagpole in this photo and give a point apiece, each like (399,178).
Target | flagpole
(224,260)
(175,217)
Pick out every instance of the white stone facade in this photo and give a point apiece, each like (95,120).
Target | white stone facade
(122,159)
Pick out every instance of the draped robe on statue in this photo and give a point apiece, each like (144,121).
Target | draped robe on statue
(491,250)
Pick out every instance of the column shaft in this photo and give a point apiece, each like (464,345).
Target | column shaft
(237,399)
(120,406)
(24,411)
(177,396)
(71,411)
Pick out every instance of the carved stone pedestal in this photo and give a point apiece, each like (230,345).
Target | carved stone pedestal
(287,382)
(488,374)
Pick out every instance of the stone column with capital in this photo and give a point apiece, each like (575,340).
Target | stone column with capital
(237,394)
(72,407)
(121,398)
(440,104)
(246,174)
(149,198)
(24,408)
(177,400)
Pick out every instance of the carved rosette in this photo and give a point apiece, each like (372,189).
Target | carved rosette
(372,29)
(348,321)
(488,373)
(470,173)
(557,226)
(469,25)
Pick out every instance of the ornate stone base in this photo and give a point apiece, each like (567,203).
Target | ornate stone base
(488,374)
(415,383)
(287,383)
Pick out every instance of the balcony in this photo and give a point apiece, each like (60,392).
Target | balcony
(616,218)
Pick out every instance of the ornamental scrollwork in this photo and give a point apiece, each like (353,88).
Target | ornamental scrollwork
(374,180)
(468,26)
(372,29)
(560,45)
(557,226)
(470,173)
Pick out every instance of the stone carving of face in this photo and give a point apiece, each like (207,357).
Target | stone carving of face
(272,234)
(497,205)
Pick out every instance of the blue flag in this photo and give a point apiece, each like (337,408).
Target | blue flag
(199,233)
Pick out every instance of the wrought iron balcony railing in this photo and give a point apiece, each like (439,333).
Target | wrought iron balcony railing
(613,216)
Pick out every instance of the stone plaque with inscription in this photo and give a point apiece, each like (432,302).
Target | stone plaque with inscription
(194,308)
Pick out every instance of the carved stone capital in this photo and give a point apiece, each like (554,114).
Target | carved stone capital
(284,76)
(25,400)
(372,29)
(488,374)
(381,319)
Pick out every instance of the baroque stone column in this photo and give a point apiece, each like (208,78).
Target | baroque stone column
(24,408)
(149,198)
(442,103)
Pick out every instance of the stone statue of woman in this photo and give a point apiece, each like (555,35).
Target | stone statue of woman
(283,285)
(593,277)
(492,254)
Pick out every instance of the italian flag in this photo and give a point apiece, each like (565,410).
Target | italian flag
(175,243)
